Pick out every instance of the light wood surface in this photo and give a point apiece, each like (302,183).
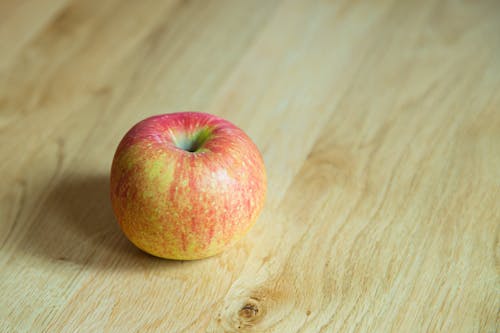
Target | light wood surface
(379,122)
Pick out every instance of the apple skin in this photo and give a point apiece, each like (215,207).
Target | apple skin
(186,185)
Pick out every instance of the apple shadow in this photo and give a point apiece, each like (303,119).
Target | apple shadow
(77,225)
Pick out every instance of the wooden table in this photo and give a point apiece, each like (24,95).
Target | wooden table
(379,122)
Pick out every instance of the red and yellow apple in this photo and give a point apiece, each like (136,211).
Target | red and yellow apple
(186,185)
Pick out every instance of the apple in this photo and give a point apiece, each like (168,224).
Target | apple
(186,185)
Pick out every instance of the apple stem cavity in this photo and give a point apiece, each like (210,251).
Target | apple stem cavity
(193,143)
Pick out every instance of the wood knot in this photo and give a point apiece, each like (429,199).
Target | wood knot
(244,313)
(249,311)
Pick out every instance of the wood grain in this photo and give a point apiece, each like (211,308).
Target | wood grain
(379,123)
